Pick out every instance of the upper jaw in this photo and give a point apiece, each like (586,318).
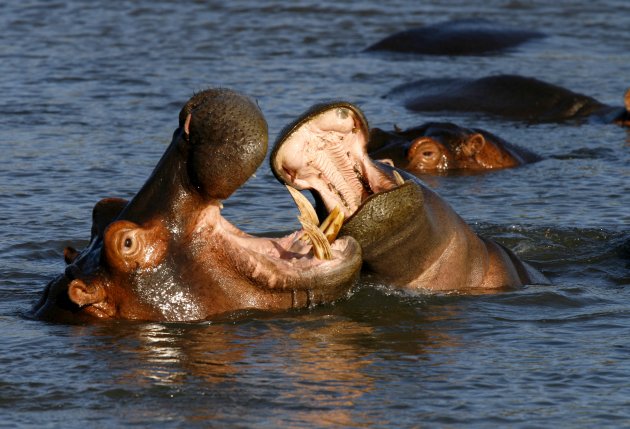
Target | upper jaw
(325,151)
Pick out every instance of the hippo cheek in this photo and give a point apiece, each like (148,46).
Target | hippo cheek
(227,137)
(385,220)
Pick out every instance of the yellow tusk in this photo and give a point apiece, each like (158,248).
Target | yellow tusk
(398,178)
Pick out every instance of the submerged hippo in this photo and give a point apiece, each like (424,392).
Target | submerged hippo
(509,96)
(411,238)
(169,255)
(442,146)
(463,37)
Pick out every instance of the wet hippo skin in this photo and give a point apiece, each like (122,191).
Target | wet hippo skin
(169,255)
(462,37)
(510,96)
(438,147)
(411,238)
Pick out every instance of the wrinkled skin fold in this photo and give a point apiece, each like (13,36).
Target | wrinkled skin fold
(410,237)
(169,255)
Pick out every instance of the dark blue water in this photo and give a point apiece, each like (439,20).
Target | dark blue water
(90,96)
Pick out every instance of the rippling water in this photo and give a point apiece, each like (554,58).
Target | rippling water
(90,96)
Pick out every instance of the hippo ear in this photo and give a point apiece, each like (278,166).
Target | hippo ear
(104,213)
(473,145)
(70,254)
(128,247)
(83,294)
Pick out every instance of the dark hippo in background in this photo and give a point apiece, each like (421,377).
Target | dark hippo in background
(169,255)
(438,147)
(510,96)
(411,238)
(463,37)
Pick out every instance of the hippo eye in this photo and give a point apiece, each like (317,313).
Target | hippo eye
(128,246)
(428,154)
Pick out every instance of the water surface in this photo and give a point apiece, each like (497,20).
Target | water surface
(90,97)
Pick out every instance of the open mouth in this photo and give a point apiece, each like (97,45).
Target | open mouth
(325,151)
(312,258)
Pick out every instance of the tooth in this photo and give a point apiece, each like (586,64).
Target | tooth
(398,178)
(326,233)
(321,246)
(307,212)
(326,223)
(332,224)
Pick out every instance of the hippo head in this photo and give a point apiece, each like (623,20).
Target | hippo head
(446,146)
(442,146)
(168,254)
(324,151)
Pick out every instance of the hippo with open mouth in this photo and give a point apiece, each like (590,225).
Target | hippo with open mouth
(169,255)
(411,238)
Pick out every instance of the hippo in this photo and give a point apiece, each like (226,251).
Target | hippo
(510,96)
(169,255)
(411,238)
(442,146)
(460,37)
